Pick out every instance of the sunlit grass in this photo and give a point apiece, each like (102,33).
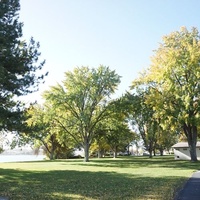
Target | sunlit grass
(121,178)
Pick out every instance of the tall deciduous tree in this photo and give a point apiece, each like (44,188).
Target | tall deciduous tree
(141,116)
(174,79)
(83,101)
(18,64)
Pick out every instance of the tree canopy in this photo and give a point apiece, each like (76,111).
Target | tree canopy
(19,64)
(173,82)
(83,101)
(166,94)
(44,130)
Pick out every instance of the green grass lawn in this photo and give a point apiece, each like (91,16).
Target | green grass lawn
(122,178)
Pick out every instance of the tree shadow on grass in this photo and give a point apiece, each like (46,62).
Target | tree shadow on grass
(132,161)
(47,185)
(135,162)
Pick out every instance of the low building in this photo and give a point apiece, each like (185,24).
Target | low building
(182,151)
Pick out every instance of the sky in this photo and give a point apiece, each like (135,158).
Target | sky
(121,34)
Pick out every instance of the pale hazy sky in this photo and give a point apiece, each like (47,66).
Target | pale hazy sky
(121,34)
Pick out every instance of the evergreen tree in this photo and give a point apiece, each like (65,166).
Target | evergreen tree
(18,65)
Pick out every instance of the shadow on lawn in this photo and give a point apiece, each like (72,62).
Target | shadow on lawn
(18,185)
(135,162)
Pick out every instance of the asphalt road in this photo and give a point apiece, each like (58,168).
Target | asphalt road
(191,190)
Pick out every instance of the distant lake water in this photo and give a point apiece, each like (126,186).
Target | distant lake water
(20,158)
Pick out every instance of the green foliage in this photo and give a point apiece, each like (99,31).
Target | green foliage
(141,118)
(173,82)
(114,131)
(44,130)
(18,65)
(99,144)
(82,101)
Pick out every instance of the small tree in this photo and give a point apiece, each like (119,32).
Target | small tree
(114,130)
(99,143)
(44,130)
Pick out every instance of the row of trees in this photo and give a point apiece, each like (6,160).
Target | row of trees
(142,119)
(80,112)
(162,103)
(170,88)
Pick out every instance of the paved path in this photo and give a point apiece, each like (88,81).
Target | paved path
(191,190)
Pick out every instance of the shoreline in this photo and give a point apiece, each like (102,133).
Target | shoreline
(20,158)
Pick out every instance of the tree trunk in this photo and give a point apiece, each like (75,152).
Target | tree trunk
(150,154)
(154,152)
(86,149)
(150,149)
(128,151)
(193,153)
(161,152)
(115,154)
(114,149)
(191,134)
(100,153)
(51,156)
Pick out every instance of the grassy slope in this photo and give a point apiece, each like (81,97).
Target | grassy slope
(122,178)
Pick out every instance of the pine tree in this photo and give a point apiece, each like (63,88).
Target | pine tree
(18,64)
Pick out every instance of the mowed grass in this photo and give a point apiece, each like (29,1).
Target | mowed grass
(122,178)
